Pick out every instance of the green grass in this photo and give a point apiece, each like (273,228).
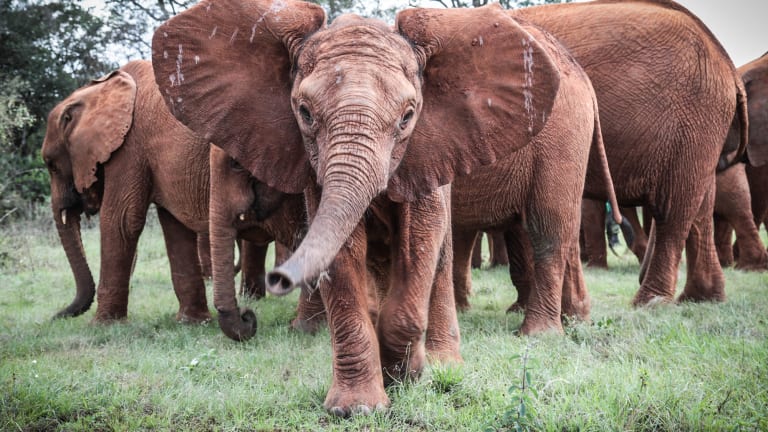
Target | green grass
(689,367)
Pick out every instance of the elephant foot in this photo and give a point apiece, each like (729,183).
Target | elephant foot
(107,320)
(598,263)
(704,289)
(752,267)
(462,304)
(756,264)
(534,326)
(309,326)
(108,316)
(187,317)
(516,307)
(648,298)
(397,369)
(361,399)
(255,289)
(578,310)
(714,295)
(443,351)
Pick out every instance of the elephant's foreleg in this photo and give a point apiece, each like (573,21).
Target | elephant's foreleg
(521,269)
(593,225)
(310,310)
(723,241)
(463,246)
(186,274)
(575,301)
(252,258)
(358,382)
(120,229)
(543,311)
(477,252)
(443,336)
(498,248)
(640,243)
(403,321)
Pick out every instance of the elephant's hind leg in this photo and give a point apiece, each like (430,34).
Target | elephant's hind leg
(186,272)
(705,280)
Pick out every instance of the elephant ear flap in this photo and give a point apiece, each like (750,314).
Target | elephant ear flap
(224,70)
(488,89)
(101,127)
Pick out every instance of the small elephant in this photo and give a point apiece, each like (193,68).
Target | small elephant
(372,124)
(113,148)
(534,197)
(664,132)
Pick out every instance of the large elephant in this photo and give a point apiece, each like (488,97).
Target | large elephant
(533,197)
(372,124)
(752,180)
(664,131)
(112,147)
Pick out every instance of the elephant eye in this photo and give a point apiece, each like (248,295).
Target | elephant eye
(51,166)
(235,165)
(406,119)
(305,114)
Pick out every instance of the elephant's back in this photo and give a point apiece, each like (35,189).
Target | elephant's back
(177,158)
(550,171)
(665,87)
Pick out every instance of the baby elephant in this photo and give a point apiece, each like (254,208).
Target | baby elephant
(113,148)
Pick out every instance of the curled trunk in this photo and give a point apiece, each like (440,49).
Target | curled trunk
(237,323)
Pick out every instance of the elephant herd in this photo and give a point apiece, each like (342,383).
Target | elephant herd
(376,153)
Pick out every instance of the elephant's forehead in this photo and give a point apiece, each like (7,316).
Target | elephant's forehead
(361,44)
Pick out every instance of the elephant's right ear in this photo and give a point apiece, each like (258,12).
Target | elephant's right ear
(489,87)
(106,115)
(224,70)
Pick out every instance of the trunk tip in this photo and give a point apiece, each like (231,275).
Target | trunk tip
(279,282)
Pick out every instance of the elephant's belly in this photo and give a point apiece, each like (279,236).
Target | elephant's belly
(491,198)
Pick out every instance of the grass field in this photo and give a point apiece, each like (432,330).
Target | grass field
(688,367)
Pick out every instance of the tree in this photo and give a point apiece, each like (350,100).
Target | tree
(47,50)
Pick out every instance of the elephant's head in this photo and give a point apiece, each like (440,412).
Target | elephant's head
(82,132)
(366,108)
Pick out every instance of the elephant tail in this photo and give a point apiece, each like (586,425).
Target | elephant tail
(599,159)
(739,125)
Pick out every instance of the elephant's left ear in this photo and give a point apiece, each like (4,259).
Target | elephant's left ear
(488,89)
(102,126)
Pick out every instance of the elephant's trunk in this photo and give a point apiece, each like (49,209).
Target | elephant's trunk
(237,323)
(352,178)
(68,227)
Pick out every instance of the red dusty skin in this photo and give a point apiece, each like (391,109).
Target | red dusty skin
(68,227)
(345,197)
